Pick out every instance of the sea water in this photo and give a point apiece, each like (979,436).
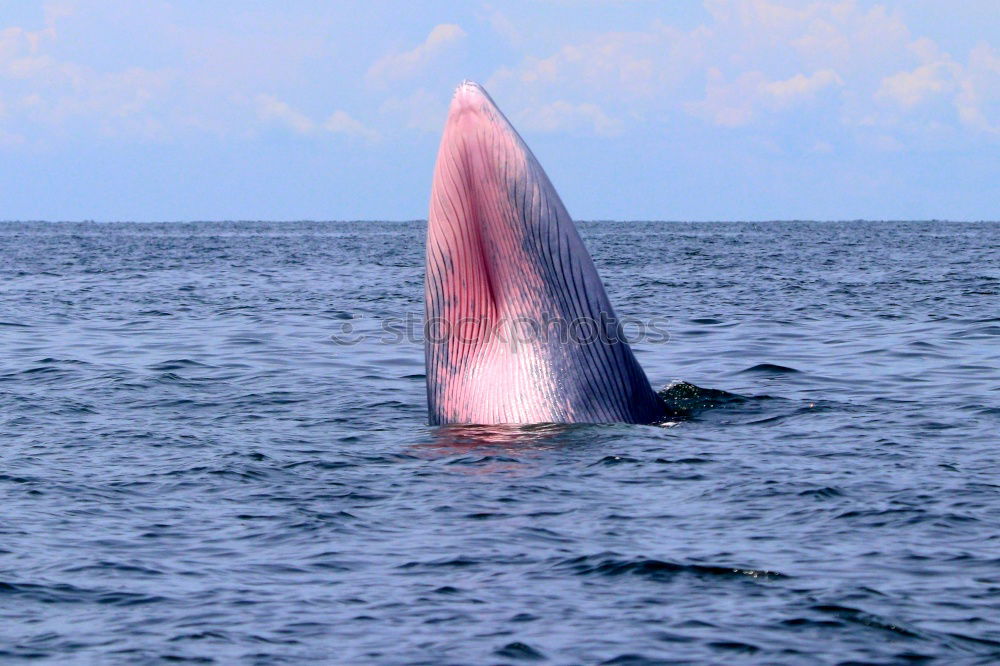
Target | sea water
(214,447)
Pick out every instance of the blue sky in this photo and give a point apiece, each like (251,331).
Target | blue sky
(723,109)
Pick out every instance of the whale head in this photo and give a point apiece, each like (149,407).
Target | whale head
(519,328)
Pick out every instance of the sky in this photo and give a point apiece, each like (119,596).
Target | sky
(683,110)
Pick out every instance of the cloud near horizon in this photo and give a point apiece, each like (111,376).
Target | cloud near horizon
(273,110)
(823,78)
(398,66)
(760,58)
(748,61)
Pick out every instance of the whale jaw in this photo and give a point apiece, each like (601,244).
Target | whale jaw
(519,328)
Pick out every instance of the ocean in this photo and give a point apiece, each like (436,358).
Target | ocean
(214,448)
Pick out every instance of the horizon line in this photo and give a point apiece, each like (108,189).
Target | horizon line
(579,220)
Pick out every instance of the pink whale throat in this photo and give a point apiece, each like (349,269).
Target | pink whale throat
(519,327)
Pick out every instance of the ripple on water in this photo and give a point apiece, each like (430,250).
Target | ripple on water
(194,470)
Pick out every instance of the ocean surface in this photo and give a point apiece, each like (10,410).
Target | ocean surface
(213,448)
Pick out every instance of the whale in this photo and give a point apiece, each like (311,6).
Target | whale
(518,325)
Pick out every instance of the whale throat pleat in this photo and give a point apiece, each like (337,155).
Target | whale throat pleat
(519,328)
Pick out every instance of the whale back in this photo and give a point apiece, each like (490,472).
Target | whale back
(519,328)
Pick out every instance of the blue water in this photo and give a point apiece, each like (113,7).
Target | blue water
(193,468)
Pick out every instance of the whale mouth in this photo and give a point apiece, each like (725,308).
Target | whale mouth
(509,283)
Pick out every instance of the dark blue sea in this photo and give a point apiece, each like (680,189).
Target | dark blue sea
(213,448)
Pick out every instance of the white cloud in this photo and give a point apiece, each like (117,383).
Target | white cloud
(800,87)
(50,91)
(735,103)
(397,66)
(601,83)
(845,35)
(272,109)
(340,122)
(638,64)
(618,59)
(910,88)
(729,104)
(978,98)
(48,95)
(566,116)
(839,63)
